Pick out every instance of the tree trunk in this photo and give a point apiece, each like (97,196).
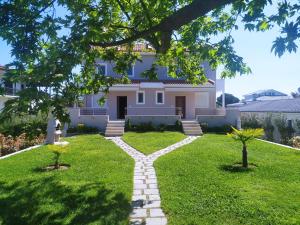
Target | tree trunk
(245,156)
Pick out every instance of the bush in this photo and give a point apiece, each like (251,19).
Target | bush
(10,144)
(286,132)
(268,127)
(82,129)
(32,126)
(146,127)
(295,142)
(217,129)
(251,121)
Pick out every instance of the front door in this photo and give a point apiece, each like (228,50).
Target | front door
(121,106)
(180,106)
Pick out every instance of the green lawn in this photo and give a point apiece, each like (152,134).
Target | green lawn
(199,186)
(150,142)
(96,189)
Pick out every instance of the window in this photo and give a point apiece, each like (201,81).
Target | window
(140,97)
(101,69)
(290,124)
(160,97)
(130,71)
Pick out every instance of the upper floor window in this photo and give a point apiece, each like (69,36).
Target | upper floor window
(130,71)
(140,97)
(101,69)
(160,98)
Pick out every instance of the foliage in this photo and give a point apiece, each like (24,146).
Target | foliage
(229,99)
(32,126)
(268,127)
(47,46)
(149,142)
(146,127)
(94,185)
(219,129)
(201,174)
(296,94)
(82,129)
(295,142)
(251,121)
(57,150)
(246,135)
(10,144)
(297,123)
(286,132)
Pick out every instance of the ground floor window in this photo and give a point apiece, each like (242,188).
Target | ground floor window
(140,97)
(159,97)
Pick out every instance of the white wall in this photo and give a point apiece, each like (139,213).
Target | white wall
(289,116)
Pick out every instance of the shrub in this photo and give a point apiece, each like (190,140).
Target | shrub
(10,144)
(268,127)
(286,132)
(251,121)
(295,142)
(145,127)
(82,129)
(220,129)
(32,126)
(178,126)
(57,150)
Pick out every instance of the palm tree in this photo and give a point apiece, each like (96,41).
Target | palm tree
(245,136)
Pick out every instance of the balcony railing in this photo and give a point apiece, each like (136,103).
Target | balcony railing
(92,111)
(155,111)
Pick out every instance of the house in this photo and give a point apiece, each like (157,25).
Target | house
(263,95)
(288,108)
(163,101)
(10,89)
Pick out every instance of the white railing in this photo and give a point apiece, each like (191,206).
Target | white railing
(155,111)
(92,111)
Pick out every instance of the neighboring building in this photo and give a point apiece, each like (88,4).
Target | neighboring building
(263,95)
(10,89)
(163,101)
(289,108)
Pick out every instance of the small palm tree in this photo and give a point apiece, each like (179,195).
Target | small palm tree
(57,150)
(245,136)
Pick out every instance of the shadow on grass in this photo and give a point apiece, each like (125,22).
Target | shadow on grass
(238,168)
(48,201)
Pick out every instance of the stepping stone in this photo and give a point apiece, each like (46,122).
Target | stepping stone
(146,200)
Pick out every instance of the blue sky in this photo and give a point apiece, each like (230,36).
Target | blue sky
(268,71)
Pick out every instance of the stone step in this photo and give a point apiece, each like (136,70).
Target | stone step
(115,128)
(191,127)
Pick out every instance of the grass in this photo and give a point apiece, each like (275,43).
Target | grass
(94,190)
(200,184)
(150,142)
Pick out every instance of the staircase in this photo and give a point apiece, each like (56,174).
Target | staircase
(191,127)
(115,128)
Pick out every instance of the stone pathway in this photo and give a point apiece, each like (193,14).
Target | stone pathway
(146,198)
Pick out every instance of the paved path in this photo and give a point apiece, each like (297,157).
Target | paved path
(146,198)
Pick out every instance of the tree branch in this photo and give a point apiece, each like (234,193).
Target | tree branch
(173,22)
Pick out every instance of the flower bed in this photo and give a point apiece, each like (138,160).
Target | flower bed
(10,144)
